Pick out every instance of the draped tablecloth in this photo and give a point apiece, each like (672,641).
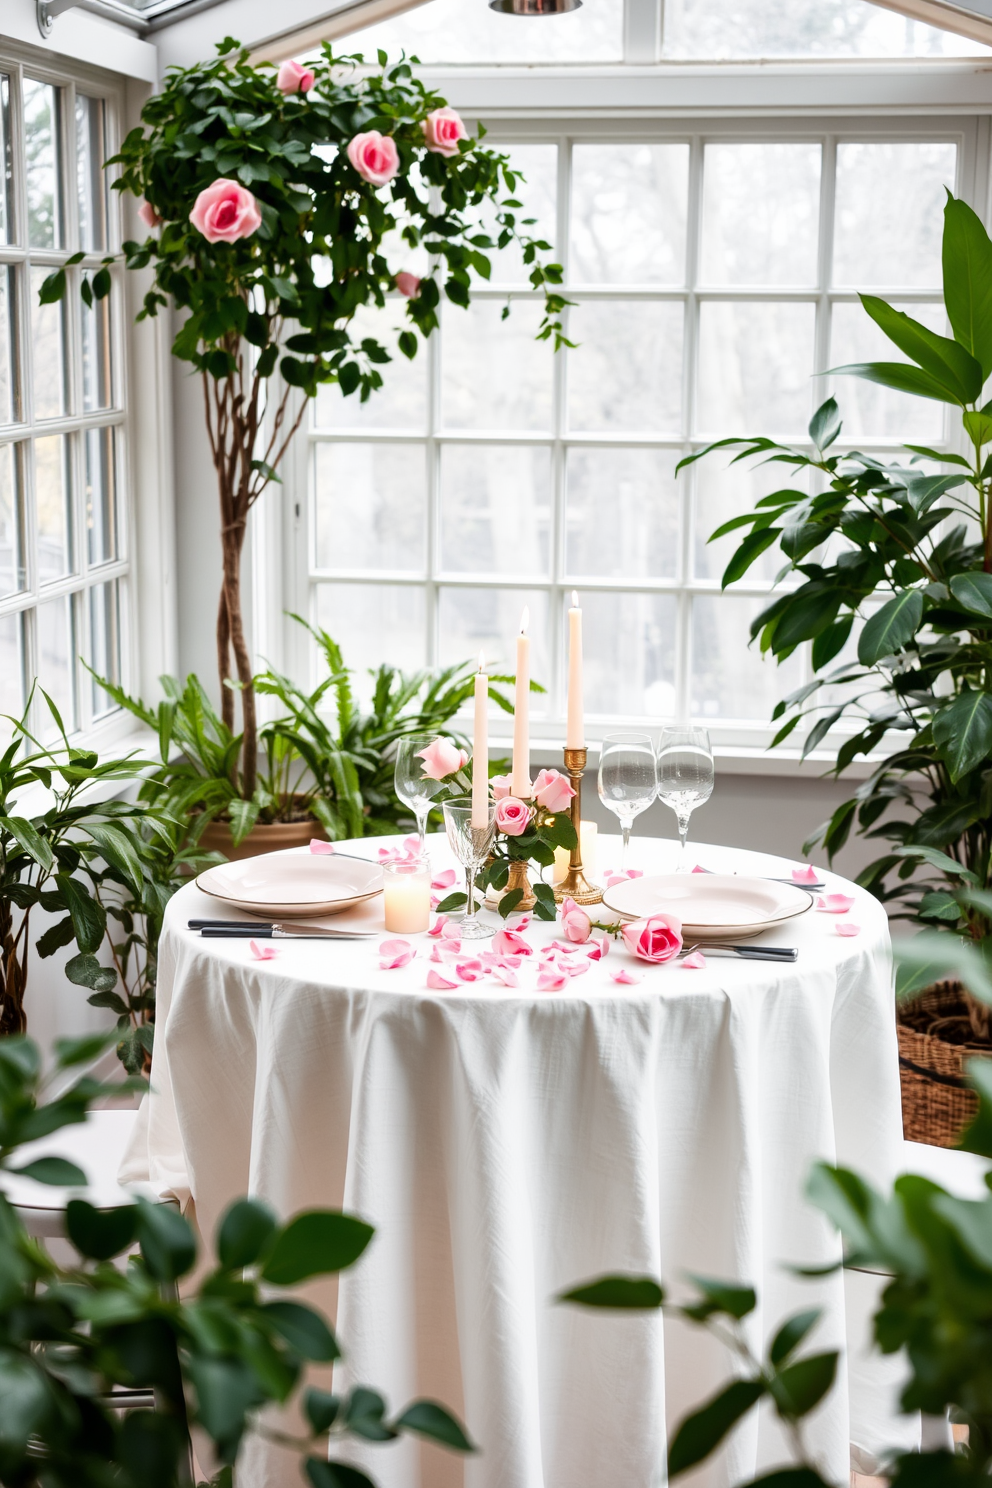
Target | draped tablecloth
(509,1143)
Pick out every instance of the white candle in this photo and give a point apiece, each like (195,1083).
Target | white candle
(480,752)
(575,737)
(587,849)
(406,898)
(520,773)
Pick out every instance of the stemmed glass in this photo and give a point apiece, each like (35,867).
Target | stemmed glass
(412,785)
(685,775)
(627,779)
(471,846)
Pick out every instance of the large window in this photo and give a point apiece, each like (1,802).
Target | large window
(62,538)
(714,272)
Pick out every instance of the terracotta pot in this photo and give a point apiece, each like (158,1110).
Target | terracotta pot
(262,838)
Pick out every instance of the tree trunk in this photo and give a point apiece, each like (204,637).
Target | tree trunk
(13,975)
(233,541)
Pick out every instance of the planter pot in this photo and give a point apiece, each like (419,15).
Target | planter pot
(262,838)
(938,1031)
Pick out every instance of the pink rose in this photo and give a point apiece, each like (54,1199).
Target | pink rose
(225,212)
(575,923)
(442,130)
(148,215)
(374,156)
(500,786)
(408,285)
(442,758)
(658,938)
(292,78)
(512,816)
(552,790)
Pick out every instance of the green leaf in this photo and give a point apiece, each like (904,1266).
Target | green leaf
(321,1409)
(800,1387)
(720,1296)
(974,592)
(31,840)
(890,627)
(166,1240)
(72,1051)
(701,1433)
(54,1170)
(451,901)
(85,971)
(509,902)
(967,264)
(751,548)
(977,1136)
(317,1243)
(963,732)
(947,361)
(933,955)
(902,376)
(52,288)
(366,1415)
(335,1474)
(427,1418)
(243,815)
(89,918)
(26,1403)
(244,1232)
(791,1477)
(100,1233)
(825,425)
(304,1330)
(626,1293)
(792,1333)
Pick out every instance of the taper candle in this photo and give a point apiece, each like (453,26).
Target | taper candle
(480,752)
(520,770)
(575,734)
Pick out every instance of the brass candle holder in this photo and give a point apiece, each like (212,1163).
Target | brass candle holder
(575,885)
(518,880)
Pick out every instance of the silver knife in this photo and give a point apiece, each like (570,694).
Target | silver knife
(747,952)
(281,932)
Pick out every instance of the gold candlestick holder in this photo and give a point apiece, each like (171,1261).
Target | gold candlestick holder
(575,885)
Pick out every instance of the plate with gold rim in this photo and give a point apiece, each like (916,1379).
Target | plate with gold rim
(294,883)
(711,906)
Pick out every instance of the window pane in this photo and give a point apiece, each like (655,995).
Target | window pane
(452,31)
(761,207)
(52,508)
(41,158)
(9,400)
(401,402)
(721,491)
(627,372)
(889,216)
(867,408)
(56,663)
(89,173)
(105,644)
(11,667)
(637,488)
(488,620)
(803,28)
(729,679)
(755,367)
(494,375)
(629,213)
(539,194)
(12,576)
(370,502)
(629,654)
(7,234)
(100,493)
(47,323)
(95,326)
(371,622)
(495,509)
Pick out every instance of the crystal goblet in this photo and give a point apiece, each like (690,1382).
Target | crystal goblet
(471,846)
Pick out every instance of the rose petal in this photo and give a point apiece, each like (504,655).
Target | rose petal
(438,926)
(438,983)
(262,953)
(835,903)
(615,878)
(635,872)
(469,971)
(806,874)
(697,869)
(444,880)
(395,953)
(317,846)
(511,943)
(520,922)
(411,846)
(550,980)
(507,975)
(695,962)
(625,978)
(451,931)
(572,966)
(847,927)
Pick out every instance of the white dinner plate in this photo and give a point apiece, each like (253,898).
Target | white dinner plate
(295,883)
(711,906)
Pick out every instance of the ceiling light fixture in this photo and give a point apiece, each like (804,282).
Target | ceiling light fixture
(534,7)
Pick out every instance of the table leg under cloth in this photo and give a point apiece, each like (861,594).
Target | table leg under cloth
(508,1146)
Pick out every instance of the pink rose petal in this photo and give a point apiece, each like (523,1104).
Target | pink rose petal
(805,875)
(444,880)
(695,962)
(625,978)
(317,846)
(469,971)
(615,878)
(835,903)
(511,943)
(635,872)
(550,980)
(395,953)
(507,975)
(697,869)
(847,927)
(451,931)
(411,846)
(436,981)
(520,922)
(438,926)
(573,967)
(262,953)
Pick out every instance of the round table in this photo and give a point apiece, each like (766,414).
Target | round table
(507,1143)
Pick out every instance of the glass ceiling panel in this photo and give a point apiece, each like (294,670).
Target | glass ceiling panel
(468,31)
(743,29)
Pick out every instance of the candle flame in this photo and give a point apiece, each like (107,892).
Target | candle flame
(575,599)
(524,620)
(482,661)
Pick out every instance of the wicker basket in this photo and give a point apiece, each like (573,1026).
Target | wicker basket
(936,1036)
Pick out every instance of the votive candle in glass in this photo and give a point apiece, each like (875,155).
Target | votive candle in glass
(588,832)
(407,896)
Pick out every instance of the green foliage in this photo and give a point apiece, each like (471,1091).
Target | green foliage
(921,665)
(215,1359)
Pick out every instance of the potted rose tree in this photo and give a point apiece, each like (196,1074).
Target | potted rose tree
(280,203)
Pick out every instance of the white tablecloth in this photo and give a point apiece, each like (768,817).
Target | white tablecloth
(509,1143)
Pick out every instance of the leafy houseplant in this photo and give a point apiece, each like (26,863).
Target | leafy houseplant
(922,539)
(237,1342)
(281,201)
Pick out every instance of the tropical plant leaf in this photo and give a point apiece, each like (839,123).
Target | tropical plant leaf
(967,264)
(963,732)
(891,627)
(701,1433)
(947,361)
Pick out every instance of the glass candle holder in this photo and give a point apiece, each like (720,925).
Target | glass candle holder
(407,896)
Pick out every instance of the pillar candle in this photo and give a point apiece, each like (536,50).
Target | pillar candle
(588,831)
(406,897)
(480,752)
(520,773)
(575,737)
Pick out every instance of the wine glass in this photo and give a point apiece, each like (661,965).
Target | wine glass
(685,775)
(412,785)
(471,846)
(628,779)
